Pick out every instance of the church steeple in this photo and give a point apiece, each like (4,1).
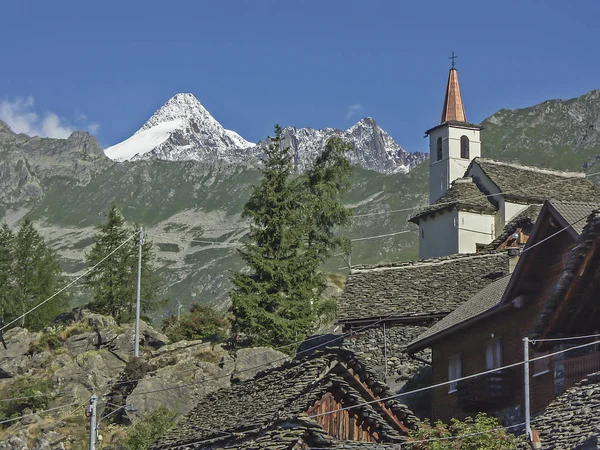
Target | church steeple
(454,109)
(453,143)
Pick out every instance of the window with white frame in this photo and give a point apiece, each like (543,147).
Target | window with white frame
(454,371)
(493,353)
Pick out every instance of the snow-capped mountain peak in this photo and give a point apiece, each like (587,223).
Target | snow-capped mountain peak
(182,129)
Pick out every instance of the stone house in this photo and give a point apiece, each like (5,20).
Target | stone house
(326,400)
(487,331)
(385,307)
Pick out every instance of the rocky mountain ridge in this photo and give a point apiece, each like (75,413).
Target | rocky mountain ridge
(183,130)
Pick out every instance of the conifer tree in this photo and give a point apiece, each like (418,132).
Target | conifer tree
(7,240)
(36,276)
(277,301)
(114,282)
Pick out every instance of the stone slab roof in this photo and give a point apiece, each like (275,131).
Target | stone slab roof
(571,420)
(536,184)
(485,300)
(271,407)
(412,289)
(464,194)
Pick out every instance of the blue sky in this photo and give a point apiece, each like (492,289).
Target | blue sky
(107,66)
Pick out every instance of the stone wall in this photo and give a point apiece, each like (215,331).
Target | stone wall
(385,353)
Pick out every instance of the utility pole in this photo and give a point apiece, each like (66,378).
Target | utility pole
(179,306)
(92,413)
(136,348)
(526,388)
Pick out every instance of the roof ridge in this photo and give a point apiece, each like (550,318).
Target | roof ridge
(560,173)
(426,262)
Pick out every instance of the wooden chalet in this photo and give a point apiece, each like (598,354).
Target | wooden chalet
(317,401)
(548,294)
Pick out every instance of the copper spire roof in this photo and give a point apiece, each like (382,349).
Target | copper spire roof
(454,109)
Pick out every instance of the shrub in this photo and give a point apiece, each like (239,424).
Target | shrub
(480,433)
(29,394)
(48,341)
(202,322)
(149,428)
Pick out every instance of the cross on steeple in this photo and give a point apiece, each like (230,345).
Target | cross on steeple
(453,58)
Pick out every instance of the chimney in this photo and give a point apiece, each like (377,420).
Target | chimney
(513,258)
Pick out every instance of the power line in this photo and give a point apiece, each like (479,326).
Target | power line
(469,198)
(70,284)
(337,338)
(37,413)
(445,383)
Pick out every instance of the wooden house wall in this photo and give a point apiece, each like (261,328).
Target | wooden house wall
(511,324)
(341,425)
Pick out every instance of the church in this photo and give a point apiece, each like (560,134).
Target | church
(480,217)
(473,198)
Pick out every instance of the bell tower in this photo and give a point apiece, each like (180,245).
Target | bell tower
(453,143)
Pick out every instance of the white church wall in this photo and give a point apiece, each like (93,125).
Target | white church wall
(510,210)
(438,235)
(473,229)
(451,166)
(489,188)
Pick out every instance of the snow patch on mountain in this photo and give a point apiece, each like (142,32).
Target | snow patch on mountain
(143,141)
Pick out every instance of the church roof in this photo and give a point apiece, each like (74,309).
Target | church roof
(414,289)
(271,410)
(534,184)
(463,194)
(454,109)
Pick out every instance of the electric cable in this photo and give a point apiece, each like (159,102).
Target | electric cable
(70,284)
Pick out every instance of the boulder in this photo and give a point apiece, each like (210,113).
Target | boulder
(93,370)
(14,359)
(192,365)
(250,361)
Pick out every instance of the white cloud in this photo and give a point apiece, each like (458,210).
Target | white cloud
(353,110)
(21,117)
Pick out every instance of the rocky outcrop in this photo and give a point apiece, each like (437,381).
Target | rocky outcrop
(15,359)
(95,356)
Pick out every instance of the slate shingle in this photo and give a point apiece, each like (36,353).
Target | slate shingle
(533,184)
(418,288)
(464,194)
(486,299)
(271,407)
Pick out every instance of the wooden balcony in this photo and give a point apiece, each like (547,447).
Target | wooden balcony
(576,369)
(487,392)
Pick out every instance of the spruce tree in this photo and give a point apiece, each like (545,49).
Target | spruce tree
(7,240)
(276,301)
(114,282)
(36,276)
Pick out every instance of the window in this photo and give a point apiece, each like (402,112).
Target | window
(422,233)
(493,353)
(464,147)
(540,366)
(439,148)
(454,371)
